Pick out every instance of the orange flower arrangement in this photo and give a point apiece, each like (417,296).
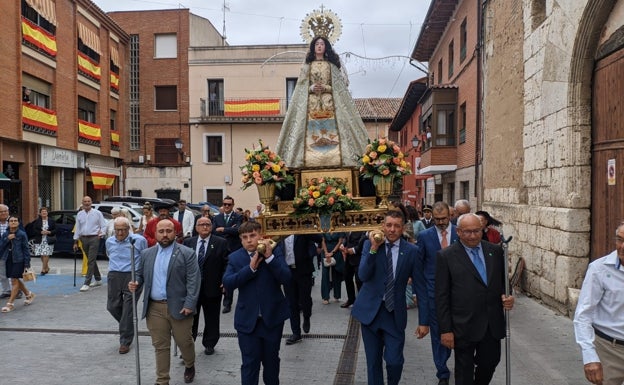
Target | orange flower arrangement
(264,166)
(382,158)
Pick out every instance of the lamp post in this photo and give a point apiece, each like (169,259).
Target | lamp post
(178,145)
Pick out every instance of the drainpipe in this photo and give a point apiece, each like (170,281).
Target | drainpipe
(479,136)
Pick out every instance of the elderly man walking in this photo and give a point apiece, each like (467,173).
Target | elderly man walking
(119,303)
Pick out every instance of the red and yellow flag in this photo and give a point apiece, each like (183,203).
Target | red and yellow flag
(88,66)
(102,181)
(39,117)
(252,107)
(89,131)
(114,81)
(115,138)
(39,37)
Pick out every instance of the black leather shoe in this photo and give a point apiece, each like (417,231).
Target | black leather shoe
(189,374)
(209,351)
(226,309)
(443,381)
(346,304)
(306,325)
(293,339)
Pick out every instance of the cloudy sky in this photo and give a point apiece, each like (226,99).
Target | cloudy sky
(382,32)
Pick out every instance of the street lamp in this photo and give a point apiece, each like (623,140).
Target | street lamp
(178,145)
(415,141)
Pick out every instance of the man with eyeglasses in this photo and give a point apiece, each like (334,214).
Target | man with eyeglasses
(212,252)
(471,302)
(226,225)
(119,252)
(429,242)
(599,318)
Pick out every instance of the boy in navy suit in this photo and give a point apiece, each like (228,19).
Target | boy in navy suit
(261,308)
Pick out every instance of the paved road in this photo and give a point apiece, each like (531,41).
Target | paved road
(68,337)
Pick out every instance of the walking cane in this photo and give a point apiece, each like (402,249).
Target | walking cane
(75,253)
(135,318)
(507,327)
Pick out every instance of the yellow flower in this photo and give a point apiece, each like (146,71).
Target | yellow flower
(403,164)
(255,167)
(275,167)
(316,194)
(382,148)
(365,159)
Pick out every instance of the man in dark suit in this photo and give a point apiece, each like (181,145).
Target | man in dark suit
(226,225)
(429,242)
(470,301)
(299,252)
(170,277)
(380,307)
(261,308)
(427,219)
(352,253)
(211,251)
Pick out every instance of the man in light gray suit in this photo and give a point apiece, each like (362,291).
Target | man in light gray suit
(171,278)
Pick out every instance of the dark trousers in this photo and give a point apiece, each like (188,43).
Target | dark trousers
(228,299)
(331,279)
(382,339)
(440,352)
(91,245)
(350,273)
(211,309)
(299,295)
(119,304)
(261,346)
(475,362)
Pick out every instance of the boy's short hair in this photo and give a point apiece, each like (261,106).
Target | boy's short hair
(249,227)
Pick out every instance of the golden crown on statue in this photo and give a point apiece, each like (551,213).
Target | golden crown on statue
(321,22)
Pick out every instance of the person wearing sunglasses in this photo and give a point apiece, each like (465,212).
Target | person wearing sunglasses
(226,225)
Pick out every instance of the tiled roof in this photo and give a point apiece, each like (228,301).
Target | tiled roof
(377,108)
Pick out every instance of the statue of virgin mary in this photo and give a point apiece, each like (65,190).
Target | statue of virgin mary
(322,127)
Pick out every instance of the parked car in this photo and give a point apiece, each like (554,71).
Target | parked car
(65,220)
(139,200)
(107,207)
(214,209)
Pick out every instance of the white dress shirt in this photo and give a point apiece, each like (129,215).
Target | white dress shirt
(600,305)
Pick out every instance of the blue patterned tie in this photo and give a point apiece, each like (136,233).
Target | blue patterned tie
(478,263)
(201,255)
(389,283)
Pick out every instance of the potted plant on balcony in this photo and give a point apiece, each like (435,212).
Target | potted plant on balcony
(383,161)
(265,169)
(324,196)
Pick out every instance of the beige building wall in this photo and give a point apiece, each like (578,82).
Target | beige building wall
(542,189)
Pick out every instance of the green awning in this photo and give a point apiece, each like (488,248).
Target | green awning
(4,181)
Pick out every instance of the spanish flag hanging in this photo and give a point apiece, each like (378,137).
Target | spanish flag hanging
(88,66)
(39,37)
(115,138)
(39,117)
(114,81)
(90,131)
(252,107)
(102,181)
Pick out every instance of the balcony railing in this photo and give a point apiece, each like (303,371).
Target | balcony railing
(243,107)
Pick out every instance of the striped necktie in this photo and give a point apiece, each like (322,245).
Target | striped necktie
(389,282)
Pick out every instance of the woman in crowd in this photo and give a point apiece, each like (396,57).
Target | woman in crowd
(16,254)
(416,223)
(148,215)
(333,266)
(43,232)
(322,127)
(489,224)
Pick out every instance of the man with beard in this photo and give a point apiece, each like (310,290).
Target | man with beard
(170,277)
